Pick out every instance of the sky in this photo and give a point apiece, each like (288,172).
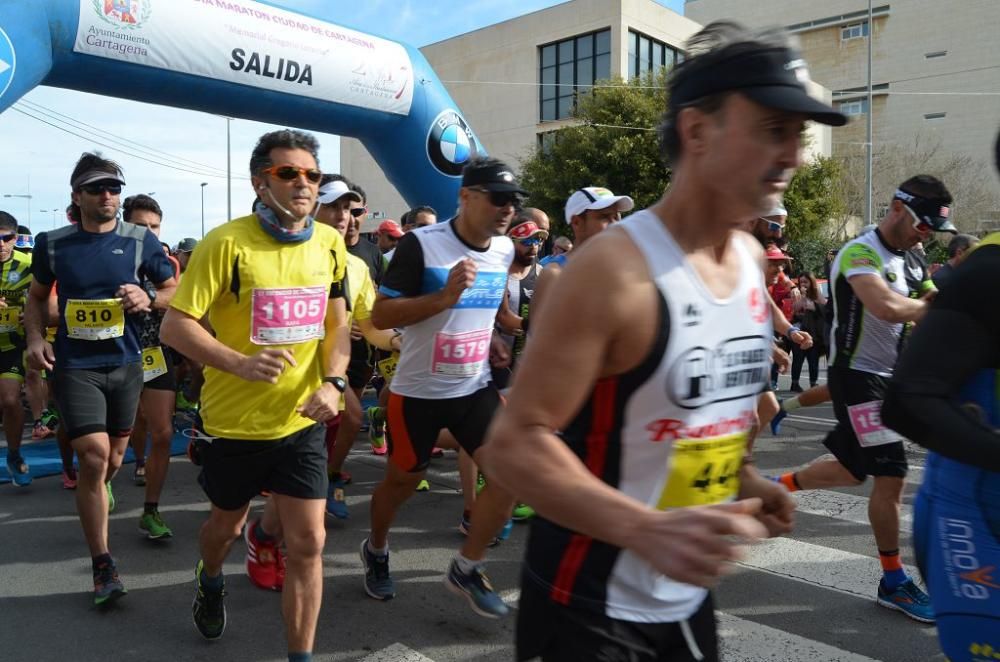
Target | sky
(38,158)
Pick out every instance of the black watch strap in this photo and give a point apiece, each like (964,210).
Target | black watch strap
(339,383)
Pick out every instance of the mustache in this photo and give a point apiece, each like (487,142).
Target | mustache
(782,174)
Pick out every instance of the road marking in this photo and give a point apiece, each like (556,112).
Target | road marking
(817,565)
(747,641)
(396,653)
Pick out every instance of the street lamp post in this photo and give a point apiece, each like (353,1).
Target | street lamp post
(53,212)
(27,197)
(203,185)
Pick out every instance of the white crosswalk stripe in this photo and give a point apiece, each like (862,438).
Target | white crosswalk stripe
(746,641)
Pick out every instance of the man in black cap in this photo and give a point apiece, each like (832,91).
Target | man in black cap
(628,423)
(444,286)
(183,251)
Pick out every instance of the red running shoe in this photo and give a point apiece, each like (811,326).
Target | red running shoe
(265,563)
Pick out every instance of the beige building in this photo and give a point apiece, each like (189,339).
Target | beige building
(514,81)
(935,77)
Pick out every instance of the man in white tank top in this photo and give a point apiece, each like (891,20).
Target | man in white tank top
(649,357)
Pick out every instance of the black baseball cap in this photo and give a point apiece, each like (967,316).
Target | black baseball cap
(933,212)
(774,77)
(496,176)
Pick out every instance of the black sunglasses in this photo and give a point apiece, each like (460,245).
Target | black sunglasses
(8,237)
(501,198)
(358,211)
(99,188)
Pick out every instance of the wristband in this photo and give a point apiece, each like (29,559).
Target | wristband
(792,329)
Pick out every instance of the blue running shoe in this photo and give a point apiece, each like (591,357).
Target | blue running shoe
(909,599)
(776,422)
(18,470)
(378,581)
(336,505)
(476,588)
(108,588)
(505,531)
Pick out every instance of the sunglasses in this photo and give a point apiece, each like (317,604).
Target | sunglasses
(7,237)
(530,241)
(358,212)
(501,198)
(100,189)
(772,226)
(919,224)
(290,173)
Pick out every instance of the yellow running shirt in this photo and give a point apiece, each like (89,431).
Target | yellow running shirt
(262,294)
(360,290)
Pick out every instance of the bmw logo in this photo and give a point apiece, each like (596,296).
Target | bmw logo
(451,143)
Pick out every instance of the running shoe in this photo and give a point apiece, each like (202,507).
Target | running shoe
(183,404)
(437,452)
(265,563)
(108,588)
(505,531)
(50,419)
(480,483)
(69,480)
(209,608)
(423,486)
(376,430)
(378,581)
(476,588)
(41,431)
(795,388)
(336,505)
(776,421)
(111,497)
(18,470)
(153,526)
(139,475)
(907,598)
(522,511)
(346,477)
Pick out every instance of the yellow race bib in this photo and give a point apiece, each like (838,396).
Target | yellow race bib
(95,319)
(703,471)
(154,363)
(387,367)
(10,320)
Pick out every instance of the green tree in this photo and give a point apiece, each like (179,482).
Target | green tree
(813,201)
(614,145)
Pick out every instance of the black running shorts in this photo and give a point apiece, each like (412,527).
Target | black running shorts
(12,364)
(555,633)
(853,387)
(413,424)
(93,400)
(234,471)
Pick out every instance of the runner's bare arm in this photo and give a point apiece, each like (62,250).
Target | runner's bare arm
(185,334)
(164,294)
(396,312)
(601,321)
(884,303)
(387,339)
(36,307)
(506,319)
(336,344)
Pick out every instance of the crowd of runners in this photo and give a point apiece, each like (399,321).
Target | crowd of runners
(608,388)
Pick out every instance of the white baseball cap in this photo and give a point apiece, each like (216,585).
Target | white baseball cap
(778,210)
(335,190)
(595,197)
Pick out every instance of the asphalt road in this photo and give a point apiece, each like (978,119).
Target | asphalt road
(809,596)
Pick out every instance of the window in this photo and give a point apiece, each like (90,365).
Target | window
(647,54)
(569,67)
(935,54)
(935,116)
(855,107)
(854,31)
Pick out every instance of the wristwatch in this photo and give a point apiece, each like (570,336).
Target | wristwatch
(339,383)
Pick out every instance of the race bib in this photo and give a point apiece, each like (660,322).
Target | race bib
(95,319)
(288,315)
(866,419)
(154,363)
(461,354)
(10,320)
(703,471)
(387,367)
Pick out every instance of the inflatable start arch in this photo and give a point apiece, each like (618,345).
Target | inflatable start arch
(250,60)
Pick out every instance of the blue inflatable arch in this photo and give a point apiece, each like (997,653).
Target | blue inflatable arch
(250,60)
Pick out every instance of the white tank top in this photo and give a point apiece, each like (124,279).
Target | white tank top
(447,355)
(670,433)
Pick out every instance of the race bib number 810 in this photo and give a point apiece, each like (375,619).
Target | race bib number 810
(288,315)
(95,319)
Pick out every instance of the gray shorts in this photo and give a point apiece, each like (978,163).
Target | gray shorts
(92,400)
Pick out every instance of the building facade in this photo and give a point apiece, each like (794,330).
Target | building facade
(515,81)
(935,80)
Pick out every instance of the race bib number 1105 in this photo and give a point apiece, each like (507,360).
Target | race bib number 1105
(288,316)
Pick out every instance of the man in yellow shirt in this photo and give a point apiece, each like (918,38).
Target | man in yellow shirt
(271,285)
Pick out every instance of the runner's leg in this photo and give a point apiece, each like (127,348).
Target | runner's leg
(305,535)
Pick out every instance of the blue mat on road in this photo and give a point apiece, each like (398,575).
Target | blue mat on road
(43,456)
